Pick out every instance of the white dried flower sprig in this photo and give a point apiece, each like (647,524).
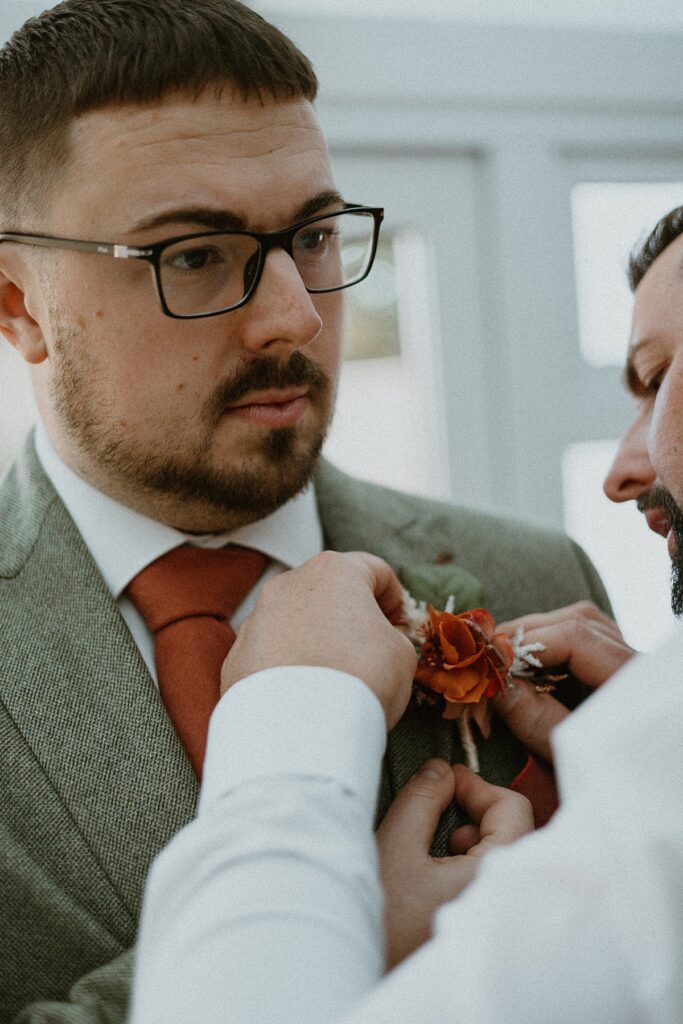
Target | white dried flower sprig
(415,622)
(526,663)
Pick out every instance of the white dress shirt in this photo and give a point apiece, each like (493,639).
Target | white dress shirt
(122,541)
(267,908)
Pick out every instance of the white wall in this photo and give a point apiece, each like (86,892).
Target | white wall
(633,15)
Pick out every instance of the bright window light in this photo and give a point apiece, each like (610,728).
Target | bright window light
(609,218)
(386,424)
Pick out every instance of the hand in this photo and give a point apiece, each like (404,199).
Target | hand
(416,884)
(580,637)
(335,611)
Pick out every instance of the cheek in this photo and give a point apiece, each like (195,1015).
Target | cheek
(665,438)
(149,368)
(147,386)
(177,387)
(153,359)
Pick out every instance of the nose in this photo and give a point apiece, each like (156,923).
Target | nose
(631,472)
(280,314)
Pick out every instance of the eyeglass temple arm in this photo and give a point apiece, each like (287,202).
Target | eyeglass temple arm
(122,252)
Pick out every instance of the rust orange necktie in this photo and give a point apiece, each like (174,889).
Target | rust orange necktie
(187,598)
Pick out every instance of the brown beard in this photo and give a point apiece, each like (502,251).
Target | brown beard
(274,470)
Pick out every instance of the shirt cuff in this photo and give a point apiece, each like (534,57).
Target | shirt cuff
(296,720)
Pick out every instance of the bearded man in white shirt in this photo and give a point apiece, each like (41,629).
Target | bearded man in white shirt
(269,905)
(173,252)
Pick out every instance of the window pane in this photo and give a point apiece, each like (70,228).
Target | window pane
(633,561)
(371,329)
(608,219)
(386,425)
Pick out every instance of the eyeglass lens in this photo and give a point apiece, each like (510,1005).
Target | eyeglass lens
(209,273)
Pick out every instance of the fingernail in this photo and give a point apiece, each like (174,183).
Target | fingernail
(433,770)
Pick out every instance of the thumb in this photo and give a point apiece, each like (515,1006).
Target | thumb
(501,814)
(414,814)
(531,716)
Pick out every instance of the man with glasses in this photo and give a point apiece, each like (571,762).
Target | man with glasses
(173,256)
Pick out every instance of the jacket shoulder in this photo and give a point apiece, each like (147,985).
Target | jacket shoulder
(26,498)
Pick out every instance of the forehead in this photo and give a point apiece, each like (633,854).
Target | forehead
(221,152)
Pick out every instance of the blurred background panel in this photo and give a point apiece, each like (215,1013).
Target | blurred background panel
(520,150)
(618,14)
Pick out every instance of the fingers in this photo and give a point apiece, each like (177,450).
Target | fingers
(590,654)
(499,815)
(334,611)
(581,637)
(413,884)
(581,610)
(383,582)
(462,839)
(502,816)
(531,716)
(414,814)
(416,884)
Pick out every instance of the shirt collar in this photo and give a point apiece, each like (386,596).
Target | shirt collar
(122,541)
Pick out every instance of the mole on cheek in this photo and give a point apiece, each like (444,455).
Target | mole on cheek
(99,313)
(180,387)
(195,359)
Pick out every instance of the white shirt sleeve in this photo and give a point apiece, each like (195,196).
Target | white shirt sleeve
(268,907)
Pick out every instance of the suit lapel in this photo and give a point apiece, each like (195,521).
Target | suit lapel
(357,516)
(76,682)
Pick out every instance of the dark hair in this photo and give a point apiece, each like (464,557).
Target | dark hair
(645,253)
(87,54)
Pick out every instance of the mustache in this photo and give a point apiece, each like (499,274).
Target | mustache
(266,373)
(658,497)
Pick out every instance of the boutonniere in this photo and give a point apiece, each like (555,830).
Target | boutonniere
(463,663)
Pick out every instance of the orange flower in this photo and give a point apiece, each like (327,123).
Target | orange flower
(465,660)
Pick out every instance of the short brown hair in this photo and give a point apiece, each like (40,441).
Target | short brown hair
(87,54)
(645,253)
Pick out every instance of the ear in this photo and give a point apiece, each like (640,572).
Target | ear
(16,323)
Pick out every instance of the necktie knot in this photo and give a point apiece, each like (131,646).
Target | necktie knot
(189,582)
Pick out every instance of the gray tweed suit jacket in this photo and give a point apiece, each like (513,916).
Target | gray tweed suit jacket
(93,779)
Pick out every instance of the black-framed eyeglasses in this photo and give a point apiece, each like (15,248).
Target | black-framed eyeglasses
(212,272)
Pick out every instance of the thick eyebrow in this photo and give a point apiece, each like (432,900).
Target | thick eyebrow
(319,203)
(227,220)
